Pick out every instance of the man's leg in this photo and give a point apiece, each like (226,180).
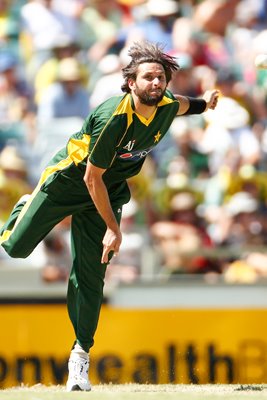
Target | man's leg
(59,193)
(85,290)
(9,225)
(29,223)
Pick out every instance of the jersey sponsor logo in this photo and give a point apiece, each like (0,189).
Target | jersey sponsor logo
(129,146)
(135,155)
(126,155)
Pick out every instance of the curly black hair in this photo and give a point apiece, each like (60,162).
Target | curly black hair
(147,52)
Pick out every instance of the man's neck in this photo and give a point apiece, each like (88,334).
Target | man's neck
(142,109)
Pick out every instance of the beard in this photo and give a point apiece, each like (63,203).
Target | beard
(148,99)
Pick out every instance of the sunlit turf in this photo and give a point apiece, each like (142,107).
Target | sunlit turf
(139,392)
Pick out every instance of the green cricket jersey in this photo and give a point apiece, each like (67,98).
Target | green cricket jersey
(116,138)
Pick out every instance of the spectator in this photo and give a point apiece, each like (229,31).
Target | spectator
(246,228)
(190,159)
(127,266)
(62,108)
(183,237)
(214,17)
(16,103)
(187,40)
(13,180)
(101,20)
(57,254)
(10,25)
(66,97)
(63,47)
(247,270)
(73,8)
(184,78)
(161,15)
(41,25)
(228,135)
(109,82)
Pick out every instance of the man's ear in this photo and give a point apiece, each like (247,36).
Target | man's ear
(131,83)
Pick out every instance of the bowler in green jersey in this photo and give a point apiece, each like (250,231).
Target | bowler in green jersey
(88,180)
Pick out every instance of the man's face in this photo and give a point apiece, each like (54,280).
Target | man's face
(150,83)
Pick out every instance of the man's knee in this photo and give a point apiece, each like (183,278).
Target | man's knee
(15,251)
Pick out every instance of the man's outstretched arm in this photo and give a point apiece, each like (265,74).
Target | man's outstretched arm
(191,105)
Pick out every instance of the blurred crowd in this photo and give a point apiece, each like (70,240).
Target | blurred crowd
(199,204)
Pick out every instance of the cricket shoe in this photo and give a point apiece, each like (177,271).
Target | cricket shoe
(78,373)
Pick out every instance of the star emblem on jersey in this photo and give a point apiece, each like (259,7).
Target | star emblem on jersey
(157,136)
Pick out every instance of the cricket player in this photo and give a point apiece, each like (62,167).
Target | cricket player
(87,180)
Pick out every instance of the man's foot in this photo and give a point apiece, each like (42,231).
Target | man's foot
(78,372)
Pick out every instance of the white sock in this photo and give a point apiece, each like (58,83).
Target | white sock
(79,352)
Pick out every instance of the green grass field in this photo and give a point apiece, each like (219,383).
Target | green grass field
(139,392)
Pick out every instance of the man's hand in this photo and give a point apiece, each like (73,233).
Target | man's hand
(211,98)
(111,242)
(190,106)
